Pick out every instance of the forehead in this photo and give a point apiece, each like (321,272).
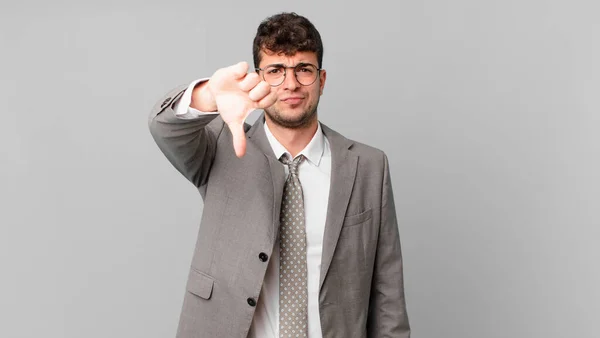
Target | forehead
(268,58)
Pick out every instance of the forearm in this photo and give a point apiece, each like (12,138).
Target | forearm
(189,143)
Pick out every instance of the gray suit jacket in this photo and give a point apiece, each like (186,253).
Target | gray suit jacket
(361,284)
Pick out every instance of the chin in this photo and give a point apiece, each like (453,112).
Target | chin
(292,120)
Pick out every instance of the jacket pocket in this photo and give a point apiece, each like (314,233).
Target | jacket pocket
(200,284)
(358,218)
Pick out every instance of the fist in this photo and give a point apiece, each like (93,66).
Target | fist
(236,93)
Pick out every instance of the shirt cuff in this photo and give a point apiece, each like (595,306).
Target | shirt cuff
(182,106)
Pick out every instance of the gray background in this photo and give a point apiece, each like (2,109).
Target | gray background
(488,110)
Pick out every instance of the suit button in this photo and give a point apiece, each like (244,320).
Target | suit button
(263,257)
(251,302)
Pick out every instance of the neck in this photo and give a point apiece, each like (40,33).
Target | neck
(293,140)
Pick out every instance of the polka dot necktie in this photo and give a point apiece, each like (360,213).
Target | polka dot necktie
(293,294)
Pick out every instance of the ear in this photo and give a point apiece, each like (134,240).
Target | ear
(322,78)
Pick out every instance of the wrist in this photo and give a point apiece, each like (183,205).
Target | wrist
(202,98)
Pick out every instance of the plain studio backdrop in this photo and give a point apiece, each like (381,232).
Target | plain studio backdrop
(489,112)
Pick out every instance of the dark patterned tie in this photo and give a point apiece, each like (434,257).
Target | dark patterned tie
(293,294)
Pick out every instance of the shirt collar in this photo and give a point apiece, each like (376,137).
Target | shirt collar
(313,150)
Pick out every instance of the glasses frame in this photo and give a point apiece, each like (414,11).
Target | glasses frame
(285,68)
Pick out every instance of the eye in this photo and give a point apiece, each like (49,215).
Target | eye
(274,70)
(305,69)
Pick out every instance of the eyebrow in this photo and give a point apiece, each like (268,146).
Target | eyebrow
(283,65)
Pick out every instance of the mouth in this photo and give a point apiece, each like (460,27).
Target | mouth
(292,100)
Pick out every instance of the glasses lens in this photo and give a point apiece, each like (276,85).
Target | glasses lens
(306,74)
(274,75)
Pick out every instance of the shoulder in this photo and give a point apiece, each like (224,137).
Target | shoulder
(371,160)
(367,154)
(366,150)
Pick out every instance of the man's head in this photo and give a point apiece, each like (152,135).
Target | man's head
(290,40)
(287,34)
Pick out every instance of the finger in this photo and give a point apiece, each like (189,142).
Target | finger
(239,138)
(239,70)
(249,82)
(260,91)
(267,101)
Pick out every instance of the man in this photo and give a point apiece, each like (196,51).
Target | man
(298,236)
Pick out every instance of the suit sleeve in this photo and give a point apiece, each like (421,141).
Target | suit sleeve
(387,308)
(188,143)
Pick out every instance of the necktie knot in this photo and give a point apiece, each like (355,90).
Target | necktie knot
(292,164)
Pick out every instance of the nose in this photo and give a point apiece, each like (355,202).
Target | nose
(290,82)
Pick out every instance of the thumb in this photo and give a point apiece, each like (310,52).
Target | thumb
(239,138)
(239,70)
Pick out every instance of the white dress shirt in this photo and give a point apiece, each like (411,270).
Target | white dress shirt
(314,174)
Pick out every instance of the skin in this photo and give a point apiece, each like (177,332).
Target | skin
(290,108)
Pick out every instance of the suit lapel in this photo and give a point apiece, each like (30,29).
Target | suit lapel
(343,171)
(258,137)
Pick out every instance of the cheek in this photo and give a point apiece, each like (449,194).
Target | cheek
(316,93)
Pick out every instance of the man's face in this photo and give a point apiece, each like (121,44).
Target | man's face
(296,104)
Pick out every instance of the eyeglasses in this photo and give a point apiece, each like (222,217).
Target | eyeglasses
(305,73)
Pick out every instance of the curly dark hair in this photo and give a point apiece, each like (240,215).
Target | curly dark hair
(287,33)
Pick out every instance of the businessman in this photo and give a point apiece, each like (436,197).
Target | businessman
(298,236)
